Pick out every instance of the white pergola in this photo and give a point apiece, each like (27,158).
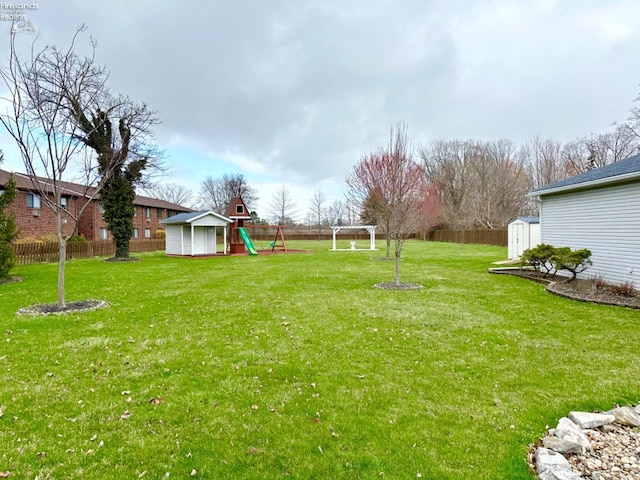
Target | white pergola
(369,228)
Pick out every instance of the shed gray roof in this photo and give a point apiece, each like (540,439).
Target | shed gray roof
(626,169)
(527,219)
(189,217)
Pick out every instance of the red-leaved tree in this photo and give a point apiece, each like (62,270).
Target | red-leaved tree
(392,188)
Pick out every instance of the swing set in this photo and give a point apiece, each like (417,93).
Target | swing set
(278,238)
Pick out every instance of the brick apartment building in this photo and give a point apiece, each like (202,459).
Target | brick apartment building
(35,219)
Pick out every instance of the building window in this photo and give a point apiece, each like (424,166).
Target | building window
(135,233)
(104,233)
(159,213)
(170,213)
(135,211)
(147,233)
(147,212)
(100,208)
(33,200)
(64,202)
(240,209)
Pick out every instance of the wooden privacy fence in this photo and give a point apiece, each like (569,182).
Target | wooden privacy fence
(28,253)
(480,237)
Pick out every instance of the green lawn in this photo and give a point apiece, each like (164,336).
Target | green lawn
(295,366)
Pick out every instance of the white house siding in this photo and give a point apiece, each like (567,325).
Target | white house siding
(173,243)
(604,220)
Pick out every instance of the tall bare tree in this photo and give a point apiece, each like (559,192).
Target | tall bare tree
(42,86)
(544,159)
(216,193)
(446,165)
(283,206)
(480,184)
(594,151)
(171,192)
(317,210)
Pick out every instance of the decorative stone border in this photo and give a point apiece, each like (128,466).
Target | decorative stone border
(598,446)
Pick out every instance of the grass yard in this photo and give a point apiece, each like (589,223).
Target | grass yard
(295,366)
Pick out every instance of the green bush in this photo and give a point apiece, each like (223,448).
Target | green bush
(574,261)
(548,259)
(539,258)
(77,238)
(8,230)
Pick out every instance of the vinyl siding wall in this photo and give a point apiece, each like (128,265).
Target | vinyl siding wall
(604,220)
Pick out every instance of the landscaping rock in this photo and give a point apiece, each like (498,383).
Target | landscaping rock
(591,420)
(568,431)
(561,445)
(613,452)
(626,416)
(559,475)
(548,460)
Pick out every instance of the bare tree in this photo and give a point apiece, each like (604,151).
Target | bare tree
(499,183)
(336,213)
(283,206)
(394,187)
(216,193)
(171,192)
(480,184)
(317,211)
(42,86)
(544,159)
(594,151)
(446,164)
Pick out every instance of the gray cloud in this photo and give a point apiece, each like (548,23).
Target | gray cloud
(304,88)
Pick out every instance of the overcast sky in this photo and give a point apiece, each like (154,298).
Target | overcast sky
(294,91)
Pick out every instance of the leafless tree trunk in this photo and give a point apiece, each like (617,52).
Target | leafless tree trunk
(479,184)
(318,201)
(38,118)
(544,159)
(216,193)
(282,205)
(171,192)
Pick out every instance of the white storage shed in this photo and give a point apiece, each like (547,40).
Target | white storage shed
(523,233)
(196,233)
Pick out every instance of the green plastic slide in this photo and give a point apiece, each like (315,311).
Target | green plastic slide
(247,241)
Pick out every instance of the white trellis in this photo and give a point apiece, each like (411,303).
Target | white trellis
(369,228)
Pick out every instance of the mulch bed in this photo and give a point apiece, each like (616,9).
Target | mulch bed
(581,290)
(70,307)
(395,286)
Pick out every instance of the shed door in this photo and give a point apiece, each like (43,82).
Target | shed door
(211,240)
(517,239)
